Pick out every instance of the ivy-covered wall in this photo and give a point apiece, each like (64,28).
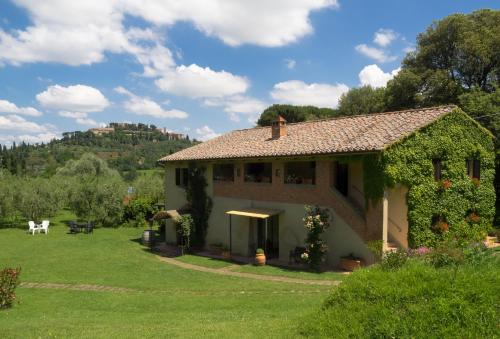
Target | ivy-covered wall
(454,207)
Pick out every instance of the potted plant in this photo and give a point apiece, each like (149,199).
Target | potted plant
(350,263)
(225,252)
(260,257)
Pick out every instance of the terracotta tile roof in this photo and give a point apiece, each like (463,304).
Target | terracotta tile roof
(362,133)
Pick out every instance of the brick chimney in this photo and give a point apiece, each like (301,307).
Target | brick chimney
(278,127)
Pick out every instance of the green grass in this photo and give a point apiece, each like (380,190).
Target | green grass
(285,272)
(415,301)
(168,301)
(204,261)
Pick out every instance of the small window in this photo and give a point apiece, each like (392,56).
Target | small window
(223,172)
(474,168)
(258,172)
(436,163)
(300,172)
(341,177)
(181,177)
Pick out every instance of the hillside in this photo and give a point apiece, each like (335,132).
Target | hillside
(126,147)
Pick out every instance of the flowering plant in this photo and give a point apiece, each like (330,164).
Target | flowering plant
(316,221)
(9,280)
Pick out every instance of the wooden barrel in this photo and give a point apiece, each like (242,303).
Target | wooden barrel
(148,237)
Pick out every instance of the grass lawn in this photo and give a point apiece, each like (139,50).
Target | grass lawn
(167,301)
(273,270)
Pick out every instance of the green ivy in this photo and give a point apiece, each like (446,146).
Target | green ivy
(200,202)
(453,138)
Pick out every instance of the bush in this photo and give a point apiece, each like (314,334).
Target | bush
(9,280)
(415,301)
(316,221)
(393,260)
(259,251)
(446,255)
(139,210)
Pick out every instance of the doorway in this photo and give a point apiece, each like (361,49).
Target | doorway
(270,241)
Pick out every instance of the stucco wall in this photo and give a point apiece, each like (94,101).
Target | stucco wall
(398,216)
(341,239)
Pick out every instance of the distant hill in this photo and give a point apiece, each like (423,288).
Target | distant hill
(126,147)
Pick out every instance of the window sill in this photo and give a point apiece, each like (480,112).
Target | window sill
(300,185)
(258,183)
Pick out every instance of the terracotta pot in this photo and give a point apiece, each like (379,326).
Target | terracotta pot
(350,264)
(260,259)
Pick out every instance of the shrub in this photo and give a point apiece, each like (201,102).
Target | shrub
(185,228)
(259,251)
(140,209)
(394,260)
(446,255)
(9,280)
(316,222)
(415,301)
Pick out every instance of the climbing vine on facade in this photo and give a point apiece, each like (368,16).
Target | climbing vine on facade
(454,205)
(200,203)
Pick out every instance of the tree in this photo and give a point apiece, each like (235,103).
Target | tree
(362,100)
(95,192)
(37,198)
(294,113)
(453,56)
(150,186)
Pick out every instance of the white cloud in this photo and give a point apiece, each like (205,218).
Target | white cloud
(384,37)
(272,23)
(239,105)
(373,76)
(196,82)
(145,106)
(377,54)
(28,138)
(290,63)
(297,92)
(87,122)
(11,108)
(19,124)
(73,115)
(205,133)
(79,98)
(82,32)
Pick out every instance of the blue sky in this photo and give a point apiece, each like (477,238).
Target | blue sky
(201,67)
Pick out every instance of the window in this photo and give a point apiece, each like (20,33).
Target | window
(473,168)
(436,163)
(258,172)
(341,177)
(223,172)
(300,172)
(181,177)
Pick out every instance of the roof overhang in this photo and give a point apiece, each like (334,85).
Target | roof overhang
(259,213)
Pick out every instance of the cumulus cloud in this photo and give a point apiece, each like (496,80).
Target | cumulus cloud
(373,76)
(374,53)
(19,124)
(82,32)
(297,92)
(11,108)
(73,115)
(28,138)
(238,105)
(145,106)
(205,133)
(77,98)
(195,82)
(384,37)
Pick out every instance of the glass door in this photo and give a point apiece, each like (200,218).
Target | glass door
(270,241)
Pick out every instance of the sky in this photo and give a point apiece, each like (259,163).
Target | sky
(199,67)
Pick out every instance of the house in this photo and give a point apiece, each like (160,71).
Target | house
(408,178)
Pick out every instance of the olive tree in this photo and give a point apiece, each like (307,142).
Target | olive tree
(95,191)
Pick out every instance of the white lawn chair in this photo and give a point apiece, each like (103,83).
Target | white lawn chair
(33,227)
(44,226)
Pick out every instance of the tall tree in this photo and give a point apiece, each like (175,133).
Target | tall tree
(362,100)
(293,113)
